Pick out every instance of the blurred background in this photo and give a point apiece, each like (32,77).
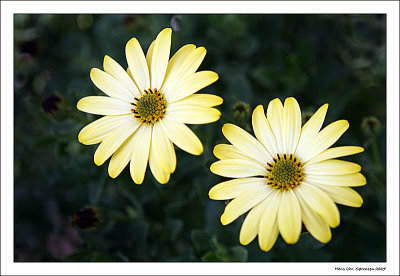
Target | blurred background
(68,209)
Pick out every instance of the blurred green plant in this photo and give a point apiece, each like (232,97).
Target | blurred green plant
(335,59)
(213,251)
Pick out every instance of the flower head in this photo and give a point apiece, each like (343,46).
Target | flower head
(285,176)
(51,104)
(88,218)
(371,126)
(241,111)
(147,107)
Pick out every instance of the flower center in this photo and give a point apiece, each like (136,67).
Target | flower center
(285,173)
(150,107)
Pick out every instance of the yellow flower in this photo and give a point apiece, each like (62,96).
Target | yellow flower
(288,175)
(147,107)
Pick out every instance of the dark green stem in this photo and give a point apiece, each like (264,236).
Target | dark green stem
(375,153)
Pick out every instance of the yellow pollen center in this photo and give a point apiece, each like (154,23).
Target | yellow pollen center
(284,173)
(149,107)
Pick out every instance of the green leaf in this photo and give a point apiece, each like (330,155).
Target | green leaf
(238,254)
(81,255)
(202,240)
(210,256)
(175,227)
(221,251)
(101,257)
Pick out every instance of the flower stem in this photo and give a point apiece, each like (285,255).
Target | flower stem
(375,153)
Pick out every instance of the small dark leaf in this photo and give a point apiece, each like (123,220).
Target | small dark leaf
(175,226)
(238,254)
(202,240)
(210,256)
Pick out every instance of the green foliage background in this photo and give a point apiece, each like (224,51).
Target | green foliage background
(335,59)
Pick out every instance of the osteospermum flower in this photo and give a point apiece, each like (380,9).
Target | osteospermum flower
(288,175)
(147,107)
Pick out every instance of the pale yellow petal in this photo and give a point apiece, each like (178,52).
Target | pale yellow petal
(243,203)
(103,106)
(342,195)
(314,223)
(185,67)
(137,64)
(325,138)
(113,141)
(320,202)
(289,217)
(140,154)
(164,148)
(331,167)
(96,131)
(160,56)
(268,225)
(263,131)
(194,60)
(233,188)
(249,229)
(352,180)
(122,156)
(114,69)
(205,100)
(245,142)
(128,71)
(224,151)
(110,86)
(177,61)
(310,130)
(149,55)
(191,84)
(275,117)
(156,167)
(291,124)
(182,136)
(335,152)
(237,168)
(192,114)
(267,242)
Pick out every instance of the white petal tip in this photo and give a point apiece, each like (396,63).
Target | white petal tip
(130,42)
(335,225)
(291,240)
(276,100)
(244,242)
(79,105)
(212,168)
(197,151)
(225,126)
(93,73)
(211,194)
(112,175)
(224,221)
(138,181)
(214,75)
(166,30)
